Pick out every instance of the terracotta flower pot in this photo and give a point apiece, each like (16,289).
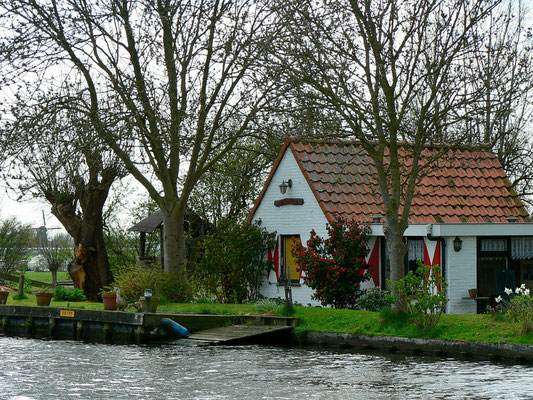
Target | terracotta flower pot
(154,302)
(110,301)
(472,293)
(43,298)
(3,296)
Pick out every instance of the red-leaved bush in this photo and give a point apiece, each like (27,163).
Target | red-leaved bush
(336,266)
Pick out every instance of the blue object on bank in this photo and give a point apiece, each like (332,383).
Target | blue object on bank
(175,328)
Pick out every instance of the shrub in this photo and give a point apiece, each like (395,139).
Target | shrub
(519,309)
(335,267)
(418,296)
(132,282)
(63,294)
(233,265)
(374,299)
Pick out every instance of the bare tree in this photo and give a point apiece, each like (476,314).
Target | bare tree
(387,70)
(502,119)
(56,251)
(187,73)
(54,154)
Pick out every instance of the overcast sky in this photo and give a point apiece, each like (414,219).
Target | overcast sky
(27,212)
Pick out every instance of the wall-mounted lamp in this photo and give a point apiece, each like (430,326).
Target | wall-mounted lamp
(284,185)
(457,243)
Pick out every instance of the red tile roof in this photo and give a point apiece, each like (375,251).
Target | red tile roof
(468,185)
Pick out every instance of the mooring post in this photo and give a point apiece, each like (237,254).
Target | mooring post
(21,286)
(51,327)
(107,332)
(140,335)
(79,330)
(5,321)
(29,325)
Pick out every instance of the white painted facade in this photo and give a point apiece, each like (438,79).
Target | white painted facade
(460,267)
(461,275)
(290,220)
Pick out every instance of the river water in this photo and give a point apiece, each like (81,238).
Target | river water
(38,369)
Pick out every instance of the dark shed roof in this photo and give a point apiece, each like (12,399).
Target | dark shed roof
(150,223)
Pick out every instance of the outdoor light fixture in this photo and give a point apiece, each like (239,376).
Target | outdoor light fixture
(457,243)
(284,185)
(511,219)
(147,298)
(376,218)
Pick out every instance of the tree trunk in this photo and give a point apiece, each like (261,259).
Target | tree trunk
(54,277)
(174,248)
(396,249)
(90,269)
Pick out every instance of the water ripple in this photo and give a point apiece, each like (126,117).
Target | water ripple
(35,369)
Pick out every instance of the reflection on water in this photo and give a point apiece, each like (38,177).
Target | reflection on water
(35,369)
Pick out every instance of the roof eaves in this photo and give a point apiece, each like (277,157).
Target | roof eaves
(267,183)
(318,198)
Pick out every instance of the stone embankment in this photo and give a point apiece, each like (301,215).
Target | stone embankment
(491,351)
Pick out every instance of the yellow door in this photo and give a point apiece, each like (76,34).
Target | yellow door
(290,263)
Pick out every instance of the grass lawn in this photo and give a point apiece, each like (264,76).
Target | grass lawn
(46,276)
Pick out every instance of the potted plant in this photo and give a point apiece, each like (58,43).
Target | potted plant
(4,294)
(109,298)
(44,297)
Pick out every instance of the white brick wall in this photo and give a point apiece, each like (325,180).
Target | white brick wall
(461,275)
(299,220)
(290,219)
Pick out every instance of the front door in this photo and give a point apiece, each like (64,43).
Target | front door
(291,269)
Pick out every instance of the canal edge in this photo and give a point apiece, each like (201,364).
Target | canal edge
(416,346)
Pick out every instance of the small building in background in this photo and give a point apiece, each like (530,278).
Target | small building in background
(195,229)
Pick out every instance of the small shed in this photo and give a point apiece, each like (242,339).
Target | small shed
(195,228)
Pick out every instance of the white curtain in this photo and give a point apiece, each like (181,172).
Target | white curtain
(494,245)
(416,249)
(521,248)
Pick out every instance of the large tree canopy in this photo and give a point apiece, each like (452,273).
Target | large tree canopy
(187,73)
(393,72)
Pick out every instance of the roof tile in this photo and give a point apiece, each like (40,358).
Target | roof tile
(467,185)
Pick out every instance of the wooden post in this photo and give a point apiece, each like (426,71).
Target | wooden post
(5,322)
(79,330)
(162,235)
(21,286)
(51,327)
(142,249)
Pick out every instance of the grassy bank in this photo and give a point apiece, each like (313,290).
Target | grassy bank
(473,328)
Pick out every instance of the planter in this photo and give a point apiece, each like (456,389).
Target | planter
(154,302)
(3,296)
(110,301)
(43,299)
(472,293)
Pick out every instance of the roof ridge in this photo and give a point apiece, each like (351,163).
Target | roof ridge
(459,146)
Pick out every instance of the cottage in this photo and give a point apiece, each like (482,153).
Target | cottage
(465,217)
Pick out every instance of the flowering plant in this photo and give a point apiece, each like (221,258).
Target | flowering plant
(419,296)
(519,308)
(336,266)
